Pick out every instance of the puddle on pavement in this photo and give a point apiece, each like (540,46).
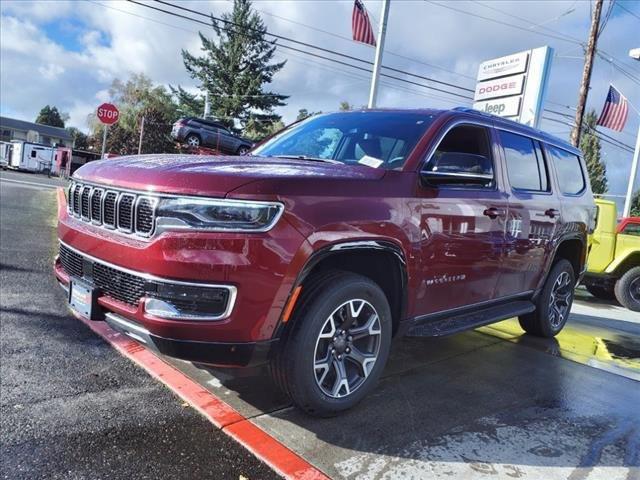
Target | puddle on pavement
(610,351)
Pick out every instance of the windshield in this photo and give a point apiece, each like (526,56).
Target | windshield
(375,139)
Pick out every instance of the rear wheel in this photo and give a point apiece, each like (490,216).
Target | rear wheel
(338,345)
(628,289)
(600,292)
(553,304)
(242,151)
(192,140)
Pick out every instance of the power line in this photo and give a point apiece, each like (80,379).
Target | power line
(350,40)
(627,10)
(305,44)
(602,137)
(306,52)
(556,32)
(518,27)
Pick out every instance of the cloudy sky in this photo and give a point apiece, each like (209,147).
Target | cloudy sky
(66,53)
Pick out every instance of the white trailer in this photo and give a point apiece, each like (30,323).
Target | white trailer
(31,157)
(5,153)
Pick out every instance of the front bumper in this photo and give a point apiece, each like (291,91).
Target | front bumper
(222,354)
(248,354)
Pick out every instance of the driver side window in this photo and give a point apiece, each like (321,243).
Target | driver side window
(465,149)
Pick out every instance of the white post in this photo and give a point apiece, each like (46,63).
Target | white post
(206,105)
(141,134)
(382,31)
(632,179)
(104,140)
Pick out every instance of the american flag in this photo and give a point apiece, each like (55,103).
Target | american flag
(615,111)
(360,24)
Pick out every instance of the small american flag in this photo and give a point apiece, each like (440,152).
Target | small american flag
(615,111)
(360,24)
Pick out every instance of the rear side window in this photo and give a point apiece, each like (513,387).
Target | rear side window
(631,229)
(569,170)
(525,164)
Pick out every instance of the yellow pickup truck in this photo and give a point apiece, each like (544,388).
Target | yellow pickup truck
(613,266)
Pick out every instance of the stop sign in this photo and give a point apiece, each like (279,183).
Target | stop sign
(108,113)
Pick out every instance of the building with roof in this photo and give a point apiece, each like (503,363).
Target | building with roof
(14,129)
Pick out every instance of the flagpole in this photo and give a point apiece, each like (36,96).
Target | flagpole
(382,30)
(632,179)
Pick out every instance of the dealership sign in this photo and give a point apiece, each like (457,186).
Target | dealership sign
(514,86)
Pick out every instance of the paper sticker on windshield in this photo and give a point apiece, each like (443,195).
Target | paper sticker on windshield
(370,161)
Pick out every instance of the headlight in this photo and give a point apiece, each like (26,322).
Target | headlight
(217,214)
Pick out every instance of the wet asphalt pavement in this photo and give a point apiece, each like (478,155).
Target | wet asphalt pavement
(489,403)
(70,406)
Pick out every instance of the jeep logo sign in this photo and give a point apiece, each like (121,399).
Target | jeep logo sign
(503,87)
(505,107)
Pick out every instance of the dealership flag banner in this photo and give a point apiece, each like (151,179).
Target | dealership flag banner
(615,111)
(360,25)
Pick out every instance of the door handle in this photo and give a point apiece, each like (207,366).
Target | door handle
(493,212)
(552,213)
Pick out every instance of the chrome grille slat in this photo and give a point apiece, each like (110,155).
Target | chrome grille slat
(124,211)
(85,194)
(96,206)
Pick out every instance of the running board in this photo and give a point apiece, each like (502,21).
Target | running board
(440,325)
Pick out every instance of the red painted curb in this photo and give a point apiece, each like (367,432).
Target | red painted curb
(272,452)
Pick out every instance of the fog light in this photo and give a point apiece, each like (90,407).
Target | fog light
(190,302)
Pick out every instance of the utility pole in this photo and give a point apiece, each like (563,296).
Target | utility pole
(586,73)
(141,134)
(382,31)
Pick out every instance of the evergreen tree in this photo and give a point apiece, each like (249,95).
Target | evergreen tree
(590,146)
(635,204)
(51,116)
(235,68)
(188,104)
(304,113)
(345,106)
(79,139)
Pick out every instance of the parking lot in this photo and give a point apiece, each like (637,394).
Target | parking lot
(490,403)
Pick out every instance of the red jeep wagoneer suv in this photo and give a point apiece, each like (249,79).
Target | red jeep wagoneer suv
(332,237)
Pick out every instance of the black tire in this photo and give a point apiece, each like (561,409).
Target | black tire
(242,150)
(193,140)
(547,321)
(294,367)
(628,289)
(600,292)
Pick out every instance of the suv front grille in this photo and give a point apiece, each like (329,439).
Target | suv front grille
(129,287)
(127,212)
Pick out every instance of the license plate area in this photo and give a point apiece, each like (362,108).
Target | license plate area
(83,299)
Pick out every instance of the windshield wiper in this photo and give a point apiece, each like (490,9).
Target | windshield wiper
(304,157)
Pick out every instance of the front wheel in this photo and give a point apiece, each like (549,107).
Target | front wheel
(628,289)
(242,151)
(553,304)
(338,345)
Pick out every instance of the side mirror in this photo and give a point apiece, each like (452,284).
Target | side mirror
(451,168)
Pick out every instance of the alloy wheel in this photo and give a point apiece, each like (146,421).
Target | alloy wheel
(193,141)
(560,301)
(634,289)
(347,348)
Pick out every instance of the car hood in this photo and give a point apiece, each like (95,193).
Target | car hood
(211,175)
